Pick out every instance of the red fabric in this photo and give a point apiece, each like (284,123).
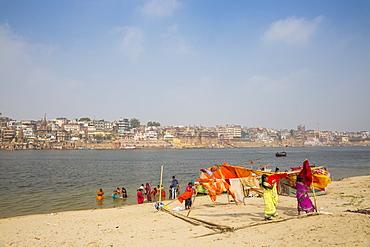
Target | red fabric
(140,198)
(184,196)
(163,193)
(306,173)
(276,177)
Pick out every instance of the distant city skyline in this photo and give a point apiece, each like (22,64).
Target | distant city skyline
(276,64)
(145,123)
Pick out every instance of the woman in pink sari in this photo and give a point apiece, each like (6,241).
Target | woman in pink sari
(304,201)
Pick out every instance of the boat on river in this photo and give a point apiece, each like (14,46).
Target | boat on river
(129,147)
(281,154)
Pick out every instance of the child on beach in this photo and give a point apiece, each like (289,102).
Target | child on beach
(187,195)
(188,201)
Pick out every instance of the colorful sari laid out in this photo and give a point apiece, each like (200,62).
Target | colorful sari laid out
(304,201)
(270,198)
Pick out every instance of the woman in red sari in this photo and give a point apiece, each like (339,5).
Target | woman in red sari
(140,197)
(304,201)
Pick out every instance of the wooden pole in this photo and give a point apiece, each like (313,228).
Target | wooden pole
(314,194)
(173,200)
(160,185)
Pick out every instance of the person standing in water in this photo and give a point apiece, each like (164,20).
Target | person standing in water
(140,197)
(175,187)
(124,192)
(100,194)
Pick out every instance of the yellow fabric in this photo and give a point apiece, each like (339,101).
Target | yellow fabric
(321,181)
(270,197)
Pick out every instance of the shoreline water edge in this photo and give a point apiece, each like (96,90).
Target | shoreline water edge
(343,220)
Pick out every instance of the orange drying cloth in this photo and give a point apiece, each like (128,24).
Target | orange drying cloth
(186,195)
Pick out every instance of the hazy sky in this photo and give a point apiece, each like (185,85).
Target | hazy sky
(276,64)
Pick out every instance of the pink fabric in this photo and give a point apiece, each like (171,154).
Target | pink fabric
(304,201)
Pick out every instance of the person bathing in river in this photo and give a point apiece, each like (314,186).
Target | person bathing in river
(100,194)
(115,194)
(124,192)
(118,192)
(148,192)
(140,197)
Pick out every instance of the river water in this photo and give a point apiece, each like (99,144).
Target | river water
(46,181)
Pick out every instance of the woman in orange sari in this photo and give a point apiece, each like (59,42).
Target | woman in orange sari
(100,195)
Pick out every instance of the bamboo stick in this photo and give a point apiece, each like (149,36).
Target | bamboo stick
(171,201)
(314,193)
(160,185)
(195,221)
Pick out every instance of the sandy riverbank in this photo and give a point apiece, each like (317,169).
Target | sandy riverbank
(141,225)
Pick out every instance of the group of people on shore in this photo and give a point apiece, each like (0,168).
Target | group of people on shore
(146,193)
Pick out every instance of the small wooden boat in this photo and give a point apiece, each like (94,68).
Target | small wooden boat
(281,154)
(129,147)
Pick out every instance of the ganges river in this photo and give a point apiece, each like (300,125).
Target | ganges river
(49,181)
